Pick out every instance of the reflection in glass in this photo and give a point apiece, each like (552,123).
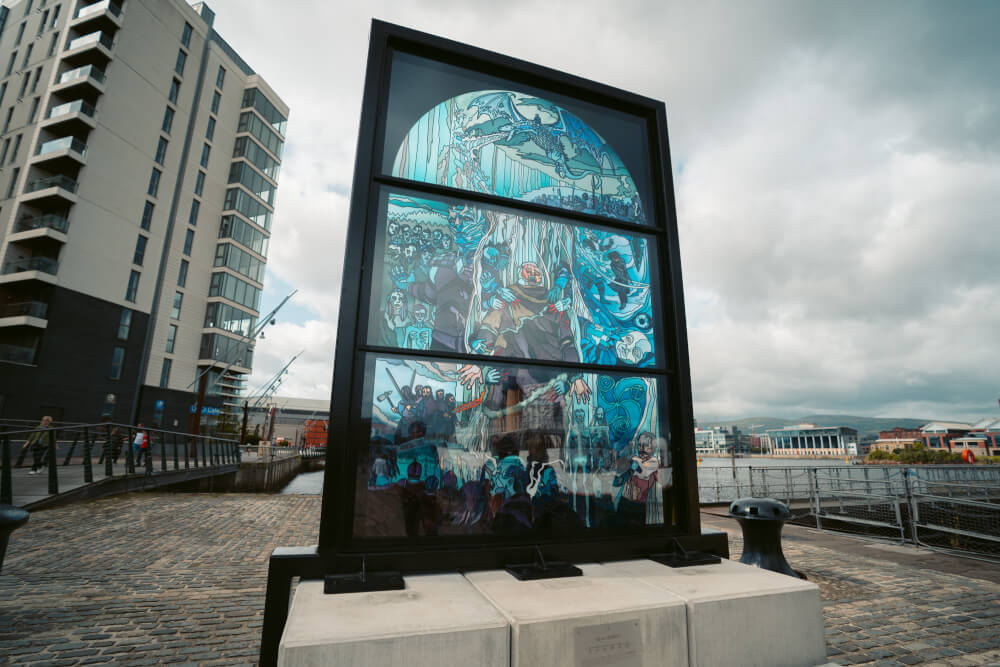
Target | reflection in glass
(522,147)
(467,449)
(463,278)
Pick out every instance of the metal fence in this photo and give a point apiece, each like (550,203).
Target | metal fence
(72,455)
(946,507)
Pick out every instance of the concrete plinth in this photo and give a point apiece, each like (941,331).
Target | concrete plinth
(740,615)
(602,619)
(435,617)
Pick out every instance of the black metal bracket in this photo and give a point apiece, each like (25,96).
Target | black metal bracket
(681,557)
(363,581)
(542,569)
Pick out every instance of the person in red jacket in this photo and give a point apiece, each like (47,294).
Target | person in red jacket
(140,445)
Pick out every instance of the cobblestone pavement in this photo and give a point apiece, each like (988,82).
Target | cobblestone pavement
(157,578)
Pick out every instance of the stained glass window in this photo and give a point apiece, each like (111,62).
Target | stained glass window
(472,449)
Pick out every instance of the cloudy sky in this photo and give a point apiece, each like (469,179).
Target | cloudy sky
(837,168)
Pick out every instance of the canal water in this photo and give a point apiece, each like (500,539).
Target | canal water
(709,471)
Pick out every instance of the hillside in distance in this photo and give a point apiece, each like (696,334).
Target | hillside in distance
(866,426)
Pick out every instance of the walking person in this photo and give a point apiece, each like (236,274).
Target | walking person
(37,443)
(140,445)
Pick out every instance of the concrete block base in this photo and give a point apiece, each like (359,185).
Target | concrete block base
(434,617)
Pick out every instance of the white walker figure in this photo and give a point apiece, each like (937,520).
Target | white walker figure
(632,347)
(418,334)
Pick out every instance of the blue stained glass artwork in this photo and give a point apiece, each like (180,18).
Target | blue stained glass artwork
(459,448)
(496,282)
(521,147)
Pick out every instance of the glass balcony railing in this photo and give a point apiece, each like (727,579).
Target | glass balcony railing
(72,107)
(91,39)
(85,72)
(62,144)
(17,353)
(60,181)
(25,308)
(44,264)
(98,7)
(57,222)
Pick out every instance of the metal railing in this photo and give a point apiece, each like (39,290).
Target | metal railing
(62,144)
(93,38)
(72,107)
(59,223)
(19,354)
(102,451)
(85,72)
(939,506)
(57,181)
(44,264)
(99,7)
(25,308)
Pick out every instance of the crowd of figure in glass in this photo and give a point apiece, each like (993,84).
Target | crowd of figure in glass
(464,448)
(469,279)
(518,146)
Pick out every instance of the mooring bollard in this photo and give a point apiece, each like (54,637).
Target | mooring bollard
(761,520)
(11,518)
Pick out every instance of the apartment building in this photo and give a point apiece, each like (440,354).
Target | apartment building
(139,158)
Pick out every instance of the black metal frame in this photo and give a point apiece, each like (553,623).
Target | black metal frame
(338,551)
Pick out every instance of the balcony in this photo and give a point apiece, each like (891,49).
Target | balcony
(44,228)
(81,81)
(61,154)
(105,15)
(24,314)
(30,268)
(92,49)
(77,117)
(53,190)
(18,354)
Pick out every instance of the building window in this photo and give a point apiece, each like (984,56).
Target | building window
(3,91)
(125,324)
(45,19)
(171,337)
(154,182)
(34,81)
(117,361)
(165,373)
(132,291)
(175,90)
(175,310)
(220,78)
(210,129)
(13,182)
(182,274)
(193,216)
(55,16)
(20,33)
(27,55)
(140,250)
(181,61)
(205,151)
(53,42)
(147,215)
(6,122)
(216,98)
(6,147)
(34,109)
(25,80)
(27,6)
(186,34)
(17,147)
(199,182)
(188,241)
(10,64)
(168,120)
(161,151)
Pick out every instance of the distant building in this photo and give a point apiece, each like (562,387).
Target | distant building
(291,419)
(810,440)
(939,435)
(718,440)
(897,439)
(983,438)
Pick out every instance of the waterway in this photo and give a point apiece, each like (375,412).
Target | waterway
(311,483)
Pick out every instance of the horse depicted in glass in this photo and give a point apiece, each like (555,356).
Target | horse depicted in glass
(521,147)
(493,282)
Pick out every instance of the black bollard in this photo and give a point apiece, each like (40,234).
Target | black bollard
(11,518)
(761,520)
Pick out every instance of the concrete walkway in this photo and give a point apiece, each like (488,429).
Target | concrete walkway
(154,578)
